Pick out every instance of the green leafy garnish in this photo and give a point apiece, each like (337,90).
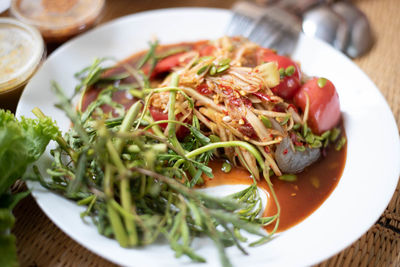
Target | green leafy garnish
(22,142)
(137,185)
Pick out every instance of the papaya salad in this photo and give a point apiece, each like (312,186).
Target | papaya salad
(150,130)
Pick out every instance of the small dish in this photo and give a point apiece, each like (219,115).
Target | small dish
(58,20)
(22,50)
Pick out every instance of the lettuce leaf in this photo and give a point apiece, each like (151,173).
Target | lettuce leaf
(8,249)
(21,143)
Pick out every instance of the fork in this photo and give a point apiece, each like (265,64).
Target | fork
(271,26)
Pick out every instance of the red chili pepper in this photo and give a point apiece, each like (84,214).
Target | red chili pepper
(227,90)
(203,89)
(166,64)
(247,102)
(264,97)
(237,102)
(247,130)
(293,107)
(297,143)
(285,151)
(279,108)
(267,149)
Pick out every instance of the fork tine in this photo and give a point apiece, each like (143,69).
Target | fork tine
(244,19)
(271,27)
(288,44)
(265,32)
(238,24)
(273,41)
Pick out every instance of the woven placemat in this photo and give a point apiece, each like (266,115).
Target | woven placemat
(41,243)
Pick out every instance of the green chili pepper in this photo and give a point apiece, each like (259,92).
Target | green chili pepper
(225,61)
(290,70)
(321,82)
(206,58)
(282,72)
(222,68)
(213,70)
(305,129)
(340,143)
(310,138)
(316,144)
(226,167)
(326,134)
(285,120)
(202,69)
(288,177)
(296,126)
(334,134)
(266,121)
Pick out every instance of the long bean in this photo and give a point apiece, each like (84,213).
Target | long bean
(115,219)
(114,151)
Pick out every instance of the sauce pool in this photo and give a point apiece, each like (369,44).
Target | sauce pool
(297,199)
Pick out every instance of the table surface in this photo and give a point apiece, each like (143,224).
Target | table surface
(41,243)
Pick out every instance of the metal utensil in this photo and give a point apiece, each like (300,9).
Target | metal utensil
(275,24)
(323,23)
(341,24)
(360,38)
(270,26)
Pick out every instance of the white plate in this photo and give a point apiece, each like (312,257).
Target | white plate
(367,184)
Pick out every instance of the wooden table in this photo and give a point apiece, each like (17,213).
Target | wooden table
(41,243)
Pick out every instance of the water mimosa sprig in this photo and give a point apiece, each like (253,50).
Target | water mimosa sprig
(138,184)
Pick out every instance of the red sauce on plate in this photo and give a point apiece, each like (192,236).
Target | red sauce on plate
(297,199)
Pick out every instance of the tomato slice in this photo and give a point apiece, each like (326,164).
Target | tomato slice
(159,115)
(166,64)
(261,53)
(324,111)
(206,50)
(290,83)
(283,62)
(287,88)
